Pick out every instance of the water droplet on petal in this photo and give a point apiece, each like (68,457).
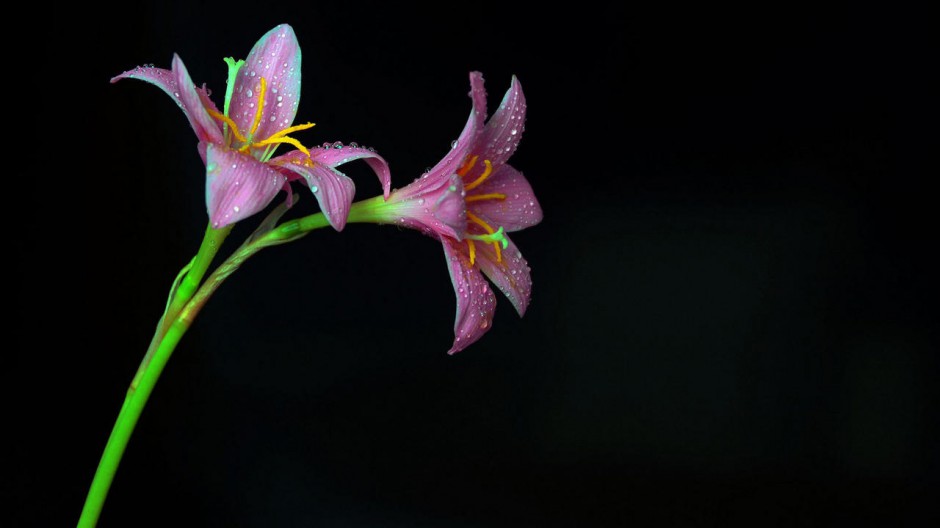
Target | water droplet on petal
(314,188)
(249,93)
(453,144)
(338,145)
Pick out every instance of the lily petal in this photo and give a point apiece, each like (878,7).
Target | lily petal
(468,137)
(510,273)
(333,190)
(166,81)
(519,210)
(206,128)
(163,79)
(237,185)
(475,300)
(504,130)
(334,157)
(276,57)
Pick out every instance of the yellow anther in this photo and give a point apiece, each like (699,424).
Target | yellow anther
(486,227)
(491,196)
(465,168)
(290,140)
(291,130)
(228,121)
(473,252)
(257,121)
(486,174)
(476,220)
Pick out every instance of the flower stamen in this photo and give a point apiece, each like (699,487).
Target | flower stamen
(289,140)
(228,121)
(495,237)
(465,168)
(260,110)
(490,196)
(273,140)
(473,252)
(292,129)
(486,174)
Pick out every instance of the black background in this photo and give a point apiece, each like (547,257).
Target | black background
(732,319)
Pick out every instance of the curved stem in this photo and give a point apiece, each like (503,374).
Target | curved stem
(211,242)
(183,289)
(126,421)
(186,302)
(170,329)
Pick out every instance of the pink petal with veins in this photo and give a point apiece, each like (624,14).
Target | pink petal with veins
(519,210)
(276,57)
(510,274)
(237,185)
(475,299)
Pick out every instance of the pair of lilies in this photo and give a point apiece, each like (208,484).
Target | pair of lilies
(468,201)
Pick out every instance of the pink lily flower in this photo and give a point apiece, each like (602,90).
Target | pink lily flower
(237,144)
(469,201)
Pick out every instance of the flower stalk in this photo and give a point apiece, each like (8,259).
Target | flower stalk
(190,297)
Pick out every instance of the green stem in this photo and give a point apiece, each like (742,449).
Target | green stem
(126,421)
(183,290)
(170,329)
(186,302)
(211,243)
(371,210)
